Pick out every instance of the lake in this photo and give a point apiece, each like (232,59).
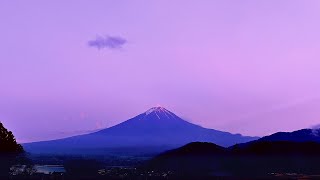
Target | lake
(47,169)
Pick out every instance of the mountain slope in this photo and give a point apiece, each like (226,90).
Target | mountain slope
(157,127)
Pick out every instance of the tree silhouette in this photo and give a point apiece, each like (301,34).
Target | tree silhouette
(8,143)
(9,150)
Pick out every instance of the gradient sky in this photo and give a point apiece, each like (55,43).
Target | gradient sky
(249,67)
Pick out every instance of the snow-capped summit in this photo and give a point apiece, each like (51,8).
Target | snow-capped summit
(160,112)
(156,109)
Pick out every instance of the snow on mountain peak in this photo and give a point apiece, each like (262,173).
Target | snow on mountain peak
(155,109)
(158,110)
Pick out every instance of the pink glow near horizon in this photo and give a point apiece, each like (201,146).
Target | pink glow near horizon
(249,67)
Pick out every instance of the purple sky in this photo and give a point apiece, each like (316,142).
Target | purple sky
(249,67)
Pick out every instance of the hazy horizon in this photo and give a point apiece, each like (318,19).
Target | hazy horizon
(248,67)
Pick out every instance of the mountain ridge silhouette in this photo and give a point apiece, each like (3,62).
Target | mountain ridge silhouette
(157,127)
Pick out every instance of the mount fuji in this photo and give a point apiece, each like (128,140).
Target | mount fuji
(153,131)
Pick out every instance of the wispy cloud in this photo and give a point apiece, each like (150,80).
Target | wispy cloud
(317,126)
(110,42)
(77,132)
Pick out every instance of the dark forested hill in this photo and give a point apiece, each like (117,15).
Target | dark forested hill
(254,158)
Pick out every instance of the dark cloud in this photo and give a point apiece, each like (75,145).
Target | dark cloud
(110,42)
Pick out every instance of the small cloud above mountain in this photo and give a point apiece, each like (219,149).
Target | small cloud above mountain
(109,42)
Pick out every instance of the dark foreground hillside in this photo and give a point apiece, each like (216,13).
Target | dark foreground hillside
(259,159)
(197,160)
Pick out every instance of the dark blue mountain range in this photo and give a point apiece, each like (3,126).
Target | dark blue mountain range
(303,135)
(156,130)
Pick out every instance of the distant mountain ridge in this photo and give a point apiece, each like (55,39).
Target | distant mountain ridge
(156,127)
(303,135)
(304,142)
